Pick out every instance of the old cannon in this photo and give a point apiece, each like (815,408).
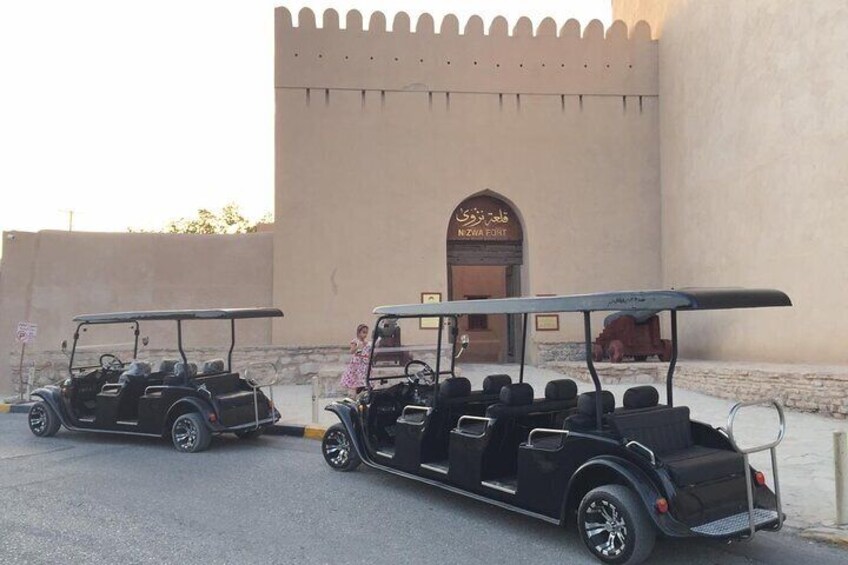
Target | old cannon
(633,334)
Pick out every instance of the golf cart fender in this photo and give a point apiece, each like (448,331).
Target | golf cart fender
(606,469)
(190,404)
(349,418)
(53,397)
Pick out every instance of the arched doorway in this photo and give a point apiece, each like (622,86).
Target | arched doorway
(485,252)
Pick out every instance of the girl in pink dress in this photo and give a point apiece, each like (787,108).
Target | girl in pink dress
(357,368)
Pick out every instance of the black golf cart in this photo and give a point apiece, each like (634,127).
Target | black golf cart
(173,399)
(624,473)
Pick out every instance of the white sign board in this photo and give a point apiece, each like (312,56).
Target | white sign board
(26,332)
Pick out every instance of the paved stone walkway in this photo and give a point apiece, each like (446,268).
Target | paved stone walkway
(805,458)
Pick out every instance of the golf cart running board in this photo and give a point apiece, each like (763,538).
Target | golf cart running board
(387,452)
(736,524)
(437,467)
(508,486)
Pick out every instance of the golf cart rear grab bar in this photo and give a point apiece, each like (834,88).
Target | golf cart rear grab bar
(424,409)
(256,387)
(771,447)
(731,418)
(476,419)
(535,431)
(645,449)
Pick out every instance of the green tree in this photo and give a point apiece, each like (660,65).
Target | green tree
(229,219)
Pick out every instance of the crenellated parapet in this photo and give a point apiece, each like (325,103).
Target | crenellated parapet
(549,59)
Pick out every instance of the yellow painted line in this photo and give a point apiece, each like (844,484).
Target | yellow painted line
(5,408)
(314,432)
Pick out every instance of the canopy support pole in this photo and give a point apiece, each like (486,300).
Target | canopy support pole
(438,361)
(180,343)
(232,345)
(137,331)
(374,334)
(74,350)
(669,392)
(454,328)
(599,405)
(523,348)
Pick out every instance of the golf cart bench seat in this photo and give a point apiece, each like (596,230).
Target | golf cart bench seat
(456,396)
(667,431)
(560,398)
(135,376)
(481,450)
(637,398)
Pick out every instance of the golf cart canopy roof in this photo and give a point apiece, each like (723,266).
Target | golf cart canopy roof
(214,314)
(682,299)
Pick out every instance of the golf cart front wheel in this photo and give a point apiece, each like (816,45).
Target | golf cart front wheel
(338,449)
(42,420)
(615,526)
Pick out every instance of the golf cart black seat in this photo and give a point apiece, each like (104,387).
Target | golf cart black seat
(137,371)
(213,366)
(585,420)
(182,374)
(481,450)
(166,366)
(643,397)
(667,431)
(492,386)
(480,400)
(422,436)
(120,401)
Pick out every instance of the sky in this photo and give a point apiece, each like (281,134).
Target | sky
(131,114)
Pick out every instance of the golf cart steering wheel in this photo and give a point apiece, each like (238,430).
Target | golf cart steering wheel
(425,375)
(110,362)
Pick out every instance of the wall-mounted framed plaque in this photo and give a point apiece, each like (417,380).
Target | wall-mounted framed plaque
(429,298)
(547,322)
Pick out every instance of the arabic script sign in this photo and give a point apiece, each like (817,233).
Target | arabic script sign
(484,218)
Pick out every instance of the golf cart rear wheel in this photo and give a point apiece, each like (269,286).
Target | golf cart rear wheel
(42,420)
(190,434)
(615,526)
(250,434)
(338,449)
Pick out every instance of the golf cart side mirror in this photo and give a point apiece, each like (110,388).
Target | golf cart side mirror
(145,340)
(463,345)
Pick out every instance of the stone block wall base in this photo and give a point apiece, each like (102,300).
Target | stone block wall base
(289,365)
(805,388)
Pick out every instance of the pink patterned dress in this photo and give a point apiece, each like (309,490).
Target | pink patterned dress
(357,368)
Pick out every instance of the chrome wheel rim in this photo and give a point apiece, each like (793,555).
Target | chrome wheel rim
(38,419)
(185,434)
(337,448)
(605,529)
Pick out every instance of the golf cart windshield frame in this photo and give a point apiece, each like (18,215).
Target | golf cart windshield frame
(660,300)
(179,316)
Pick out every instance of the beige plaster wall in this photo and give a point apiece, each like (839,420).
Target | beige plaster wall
(50,276)
(754,137)
(372,157)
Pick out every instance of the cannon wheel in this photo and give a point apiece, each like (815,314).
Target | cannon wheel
(597,353)
(615,351)
(665,356)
